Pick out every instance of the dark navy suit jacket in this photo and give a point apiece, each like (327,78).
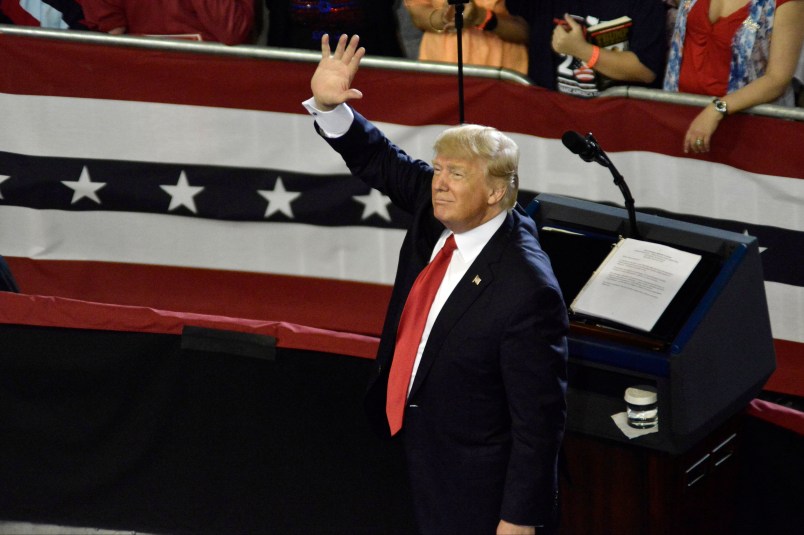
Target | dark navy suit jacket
(485,415)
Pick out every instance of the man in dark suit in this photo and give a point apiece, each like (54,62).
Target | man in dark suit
(485,408)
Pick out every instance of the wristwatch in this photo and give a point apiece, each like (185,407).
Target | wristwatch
(721,106)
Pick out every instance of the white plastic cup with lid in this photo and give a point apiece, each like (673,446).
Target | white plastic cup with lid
(642,406)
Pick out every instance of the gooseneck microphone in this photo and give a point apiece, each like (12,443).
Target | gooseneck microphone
(585,147)
(590,151)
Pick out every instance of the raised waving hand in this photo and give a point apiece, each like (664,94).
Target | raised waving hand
(332,81)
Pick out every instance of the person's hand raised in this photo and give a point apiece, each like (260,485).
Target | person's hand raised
(332,80)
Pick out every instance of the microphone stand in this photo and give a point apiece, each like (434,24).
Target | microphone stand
(459,6)
(619,181)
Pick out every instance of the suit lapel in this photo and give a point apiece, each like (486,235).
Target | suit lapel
(477,279)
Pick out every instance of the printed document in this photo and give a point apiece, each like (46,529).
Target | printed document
(635,283)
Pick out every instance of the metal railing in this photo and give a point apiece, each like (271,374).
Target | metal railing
(687,99)
(288,54)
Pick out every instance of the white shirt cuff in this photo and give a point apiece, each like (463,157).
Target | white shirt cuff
(334,123)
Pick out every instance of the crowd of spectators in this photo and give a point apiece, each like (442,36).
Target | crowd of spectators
(720,48)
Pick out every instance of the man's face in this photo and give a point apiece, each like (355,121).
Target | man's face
(462,197)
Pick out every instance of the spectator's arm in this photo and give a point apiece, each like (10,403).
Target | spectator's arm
(785,47)
(230,21)
(623,65)
(616,64)
(420,13)
(512,28)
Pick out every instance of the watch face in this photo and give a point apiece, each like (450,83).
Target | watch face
(720,106)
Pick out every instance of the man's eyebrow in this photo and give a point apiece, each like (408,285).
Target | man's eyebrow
(453,164)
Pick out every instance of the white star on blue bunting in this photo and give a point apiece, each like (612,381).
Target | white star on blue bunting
(279,199)
(374,203)
(84,187)
(182,194)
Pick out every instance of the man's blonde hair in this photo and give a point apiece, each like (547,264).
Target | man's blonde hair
(499,151)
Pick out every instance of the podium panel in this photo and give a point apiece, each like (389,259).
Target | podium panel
(709,354)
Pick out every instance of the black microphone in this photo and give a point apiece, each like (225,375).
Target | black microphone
(585,147)
(589,151)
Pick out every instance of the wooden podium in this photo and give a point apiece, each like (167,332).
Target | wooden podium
(609,487)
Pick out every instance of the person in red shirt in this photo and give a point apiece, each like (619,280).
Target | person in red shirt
(226,21)
(723,48)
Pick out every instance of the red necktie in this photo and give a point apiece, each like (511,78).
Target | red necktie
(409,333)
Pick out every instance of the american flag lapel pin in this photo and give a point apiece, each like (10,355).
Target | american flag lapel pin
(476,280)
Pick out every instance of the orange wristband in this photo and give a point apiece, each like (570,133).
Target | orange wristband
(482,25)
(595,56)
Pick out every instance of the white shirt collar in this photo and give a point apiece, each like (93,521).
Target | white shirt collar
(471,242)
